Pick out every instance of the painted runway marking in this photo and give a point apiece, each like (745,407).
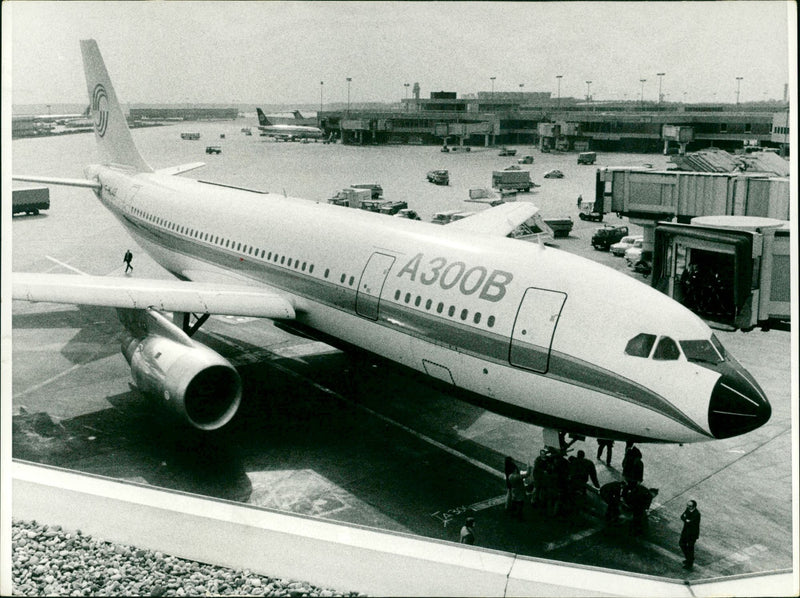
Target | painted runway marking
(447,516)
(674,556)
(63,265)
(48,381)
(573,538)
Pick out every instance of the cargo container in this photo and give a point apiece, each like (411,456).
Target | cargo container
(29,200)
(519,180)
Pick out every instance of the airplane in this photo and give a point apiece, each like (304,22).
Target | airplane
(286,132)
(61,119)
(521,329)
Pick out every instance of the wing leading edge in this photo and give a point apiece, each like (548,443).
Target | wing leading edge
(164,295)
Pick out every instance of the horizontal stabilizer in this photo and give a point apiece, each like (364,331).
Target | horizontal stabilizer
(499,220)
(173,170)
(57,181)
(164,295)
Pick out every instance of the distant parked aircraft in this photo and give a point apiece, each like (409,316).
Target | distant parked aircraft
(286,132)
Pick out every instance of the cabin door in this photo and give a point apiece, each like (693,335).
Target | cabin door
(534,328)
(371,285)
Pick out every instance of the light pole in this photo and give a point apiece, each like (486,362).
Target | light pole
(559,90)
(588,94)
(406,86)
(738,83)
(321,85)
(492,78)
(641,98)
(660,79)
(348,95)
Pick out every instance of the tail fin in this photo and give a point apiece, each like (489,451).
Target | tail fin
(297,114)
(110,128)
(262,119)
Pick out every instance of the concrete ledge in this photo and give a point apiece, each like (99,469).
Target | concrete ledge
(341,556)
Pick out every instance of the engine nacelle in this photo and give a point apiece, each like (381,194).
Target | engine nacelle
(194,382)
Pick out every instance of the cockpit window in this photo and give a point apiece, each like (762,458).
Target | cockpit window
(640,345)
(667,349)
(701,351)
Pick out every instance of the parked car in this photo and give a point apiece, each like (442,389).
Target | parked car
(526,160)
(634,253)
(504,151)
(554,174)
(587,158)
(439,177)
(619,249)
(606,236)
(213,149)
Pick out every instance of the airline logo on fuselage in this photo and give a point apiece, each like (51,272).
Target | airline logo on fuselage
(448,275)
(100,109)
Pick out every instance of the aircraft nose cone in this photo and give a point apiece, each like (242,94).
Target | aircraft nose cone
(737,406)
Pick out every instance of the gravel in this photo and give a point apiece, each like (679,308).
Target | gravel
(48,561)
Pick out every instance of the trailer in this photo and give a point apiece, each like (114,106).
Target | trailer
(518,180)
(29,200)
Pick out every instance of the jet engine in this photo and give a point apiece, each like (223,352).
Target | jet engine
(190,380)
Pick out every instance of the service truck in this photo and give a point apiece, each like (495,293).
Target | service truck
(30,200)
(518,180)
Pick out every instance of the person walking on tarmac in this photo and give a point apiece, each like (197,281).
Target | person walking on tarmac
(689,533)
(127,259)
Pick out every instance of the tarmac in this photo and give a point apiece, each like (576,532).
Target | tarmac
(333,435)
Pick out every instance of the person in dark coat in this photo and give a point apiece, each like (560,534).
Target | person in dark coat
(689,533)
(127,259)
(608,446)
(611,494)
(632,466)
(467,535)
(517,490)
(639,499)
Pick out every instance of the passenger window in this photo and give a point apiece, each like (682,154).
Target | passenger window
(490,322)
(428,304)
(477,317)
(451,311)
(417,301)
(464,314)
(640,345)
(667,349)
(397,295)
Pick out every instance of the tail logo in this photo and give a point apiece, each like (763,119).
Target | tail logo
(100,109)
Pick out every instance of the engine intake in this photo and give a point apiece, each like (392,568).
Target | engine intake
(193,382)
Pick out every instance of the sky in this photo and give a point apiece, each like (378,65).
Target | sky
(278,52)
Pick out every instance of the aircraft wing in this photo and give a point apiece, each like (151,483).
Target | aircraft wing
(47,180)
(499,220)
(164,295)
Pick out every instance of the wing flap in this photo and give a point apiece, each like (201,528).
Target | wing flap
(164,295)
(501,220)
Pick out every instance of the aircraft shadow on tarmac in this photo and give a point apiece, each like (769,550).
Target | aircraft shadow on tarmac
(95,327)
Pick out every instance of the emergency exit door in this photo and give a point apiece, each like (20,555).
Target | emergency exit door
(371,284)
(534,328)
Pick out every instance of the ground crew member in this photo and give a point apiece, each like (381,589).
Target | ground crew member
(127,259)
(689,533)
(468,531)
(608,445)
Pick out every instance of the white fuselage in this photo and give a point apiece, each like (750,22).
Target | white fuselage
(532,331)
